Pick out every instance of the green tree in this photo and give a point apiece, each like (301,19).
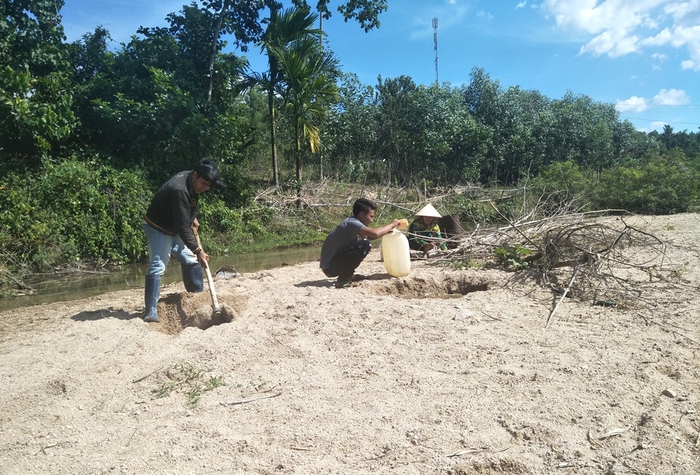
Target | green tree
(155,91)
(659,185)
(483,98)
(397,125)
(309,90)
(366,12)
(284,28)
(562,187)
(583,132)
(451,142)
(35,96)
(667,137)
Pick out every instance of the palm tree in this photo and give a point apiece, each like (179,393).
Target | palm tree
(309,88)
(283,29)
(667,136)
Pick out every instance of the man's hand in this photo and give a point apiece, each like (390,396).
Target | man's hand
(203,258)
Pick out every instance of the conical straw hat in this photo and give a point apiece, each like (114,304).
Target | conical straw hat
(429,210)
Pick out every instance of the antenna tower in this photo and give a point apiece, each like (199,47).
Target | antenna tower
(435,25)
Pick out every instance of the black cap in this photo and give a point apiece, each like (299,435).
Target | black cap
(210,172)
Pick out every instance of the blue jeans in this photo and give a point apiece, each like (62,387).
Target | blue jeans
(161,246)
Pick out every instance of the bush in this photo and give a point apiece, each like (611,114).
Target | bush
(562,186)
(663,185)
(72,211)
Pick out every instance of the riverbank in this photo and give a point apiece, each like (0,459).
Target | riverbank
(78,284)
(444,371)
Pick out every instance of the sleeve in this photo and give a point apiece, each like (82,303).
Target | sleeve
(356,225)
(438,234)
(183,222)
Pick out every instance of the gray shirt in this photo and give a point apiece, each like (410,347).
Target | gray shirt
(342,237)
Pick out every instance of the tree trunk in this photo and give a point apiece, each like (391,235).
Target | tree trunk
(298,162)
(273,135)
(214,49)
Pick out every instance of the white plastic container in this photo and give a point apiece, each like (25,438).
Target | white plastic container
(396,254)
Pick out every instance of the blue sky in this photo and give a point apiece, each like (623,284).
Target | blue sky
(641,55)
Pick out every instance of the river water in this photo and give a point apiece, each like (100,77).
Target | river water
(78,285)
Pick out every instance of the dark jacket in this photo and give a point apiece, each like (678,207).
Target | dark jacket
(174,208)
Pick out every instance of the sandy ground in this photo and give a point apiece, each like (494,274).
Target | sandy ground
(445,371)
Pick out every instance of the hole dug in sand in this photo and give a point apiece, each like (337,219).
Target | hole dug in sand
(182,310)
(449,286)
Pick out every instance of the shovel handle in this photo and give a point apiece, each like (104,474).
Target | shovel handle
(210,279)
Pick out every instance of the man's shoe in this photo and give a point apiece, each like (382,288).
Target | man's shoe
(151,319)
(342,284)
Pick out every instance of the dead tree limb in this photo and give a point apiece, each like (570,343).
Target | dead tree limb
(568,288)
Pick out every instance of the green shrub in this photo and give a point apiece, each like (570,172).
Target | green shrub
(513,257)
(663,185)
(562,185)
(472,212)
(72,211)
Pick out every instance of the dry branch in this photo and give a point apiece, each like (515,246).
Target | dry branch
(568,288)
(246,401)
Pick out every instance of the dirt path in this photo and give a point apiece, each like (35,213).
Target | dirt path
(444,372)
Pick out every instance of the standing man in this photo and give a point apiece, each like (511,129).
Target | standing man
(168,227)
(348,244)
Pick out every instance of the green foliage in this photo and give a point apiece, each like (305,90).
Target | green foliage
(72,211)
(401,132)
(307,85)
(466,263)
(35,96)
(661,185)
(188,379)
(513,257)
(160,93)
(562,186)
(528,131)
(471,211)
(252,228)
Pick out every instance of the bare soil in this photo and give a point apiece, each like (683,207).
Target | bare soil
(445,371)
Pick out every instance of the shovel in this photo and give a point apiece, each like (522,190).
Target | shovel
(210,279)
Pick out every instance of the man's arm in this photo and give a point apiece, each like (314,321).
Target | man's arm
(372,233)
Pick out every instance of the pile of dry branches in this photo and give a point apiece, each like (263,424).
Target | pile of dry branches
(596,256)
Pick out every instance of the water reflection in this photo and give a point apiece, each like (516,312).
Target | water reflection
(75,286)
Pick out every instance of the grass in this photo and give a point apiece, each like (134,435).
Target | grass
(188,379)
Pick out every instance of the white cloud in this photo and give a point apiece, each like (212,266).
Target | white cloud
(685,13)
(663,37)
(594,16)
(522,4)
(633,104)
(671,97)
(659,60)
(484,15)
(658,126)
(665,97)
(620,27)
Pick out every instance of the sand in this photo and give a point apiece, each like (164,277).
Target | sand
(445,371)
